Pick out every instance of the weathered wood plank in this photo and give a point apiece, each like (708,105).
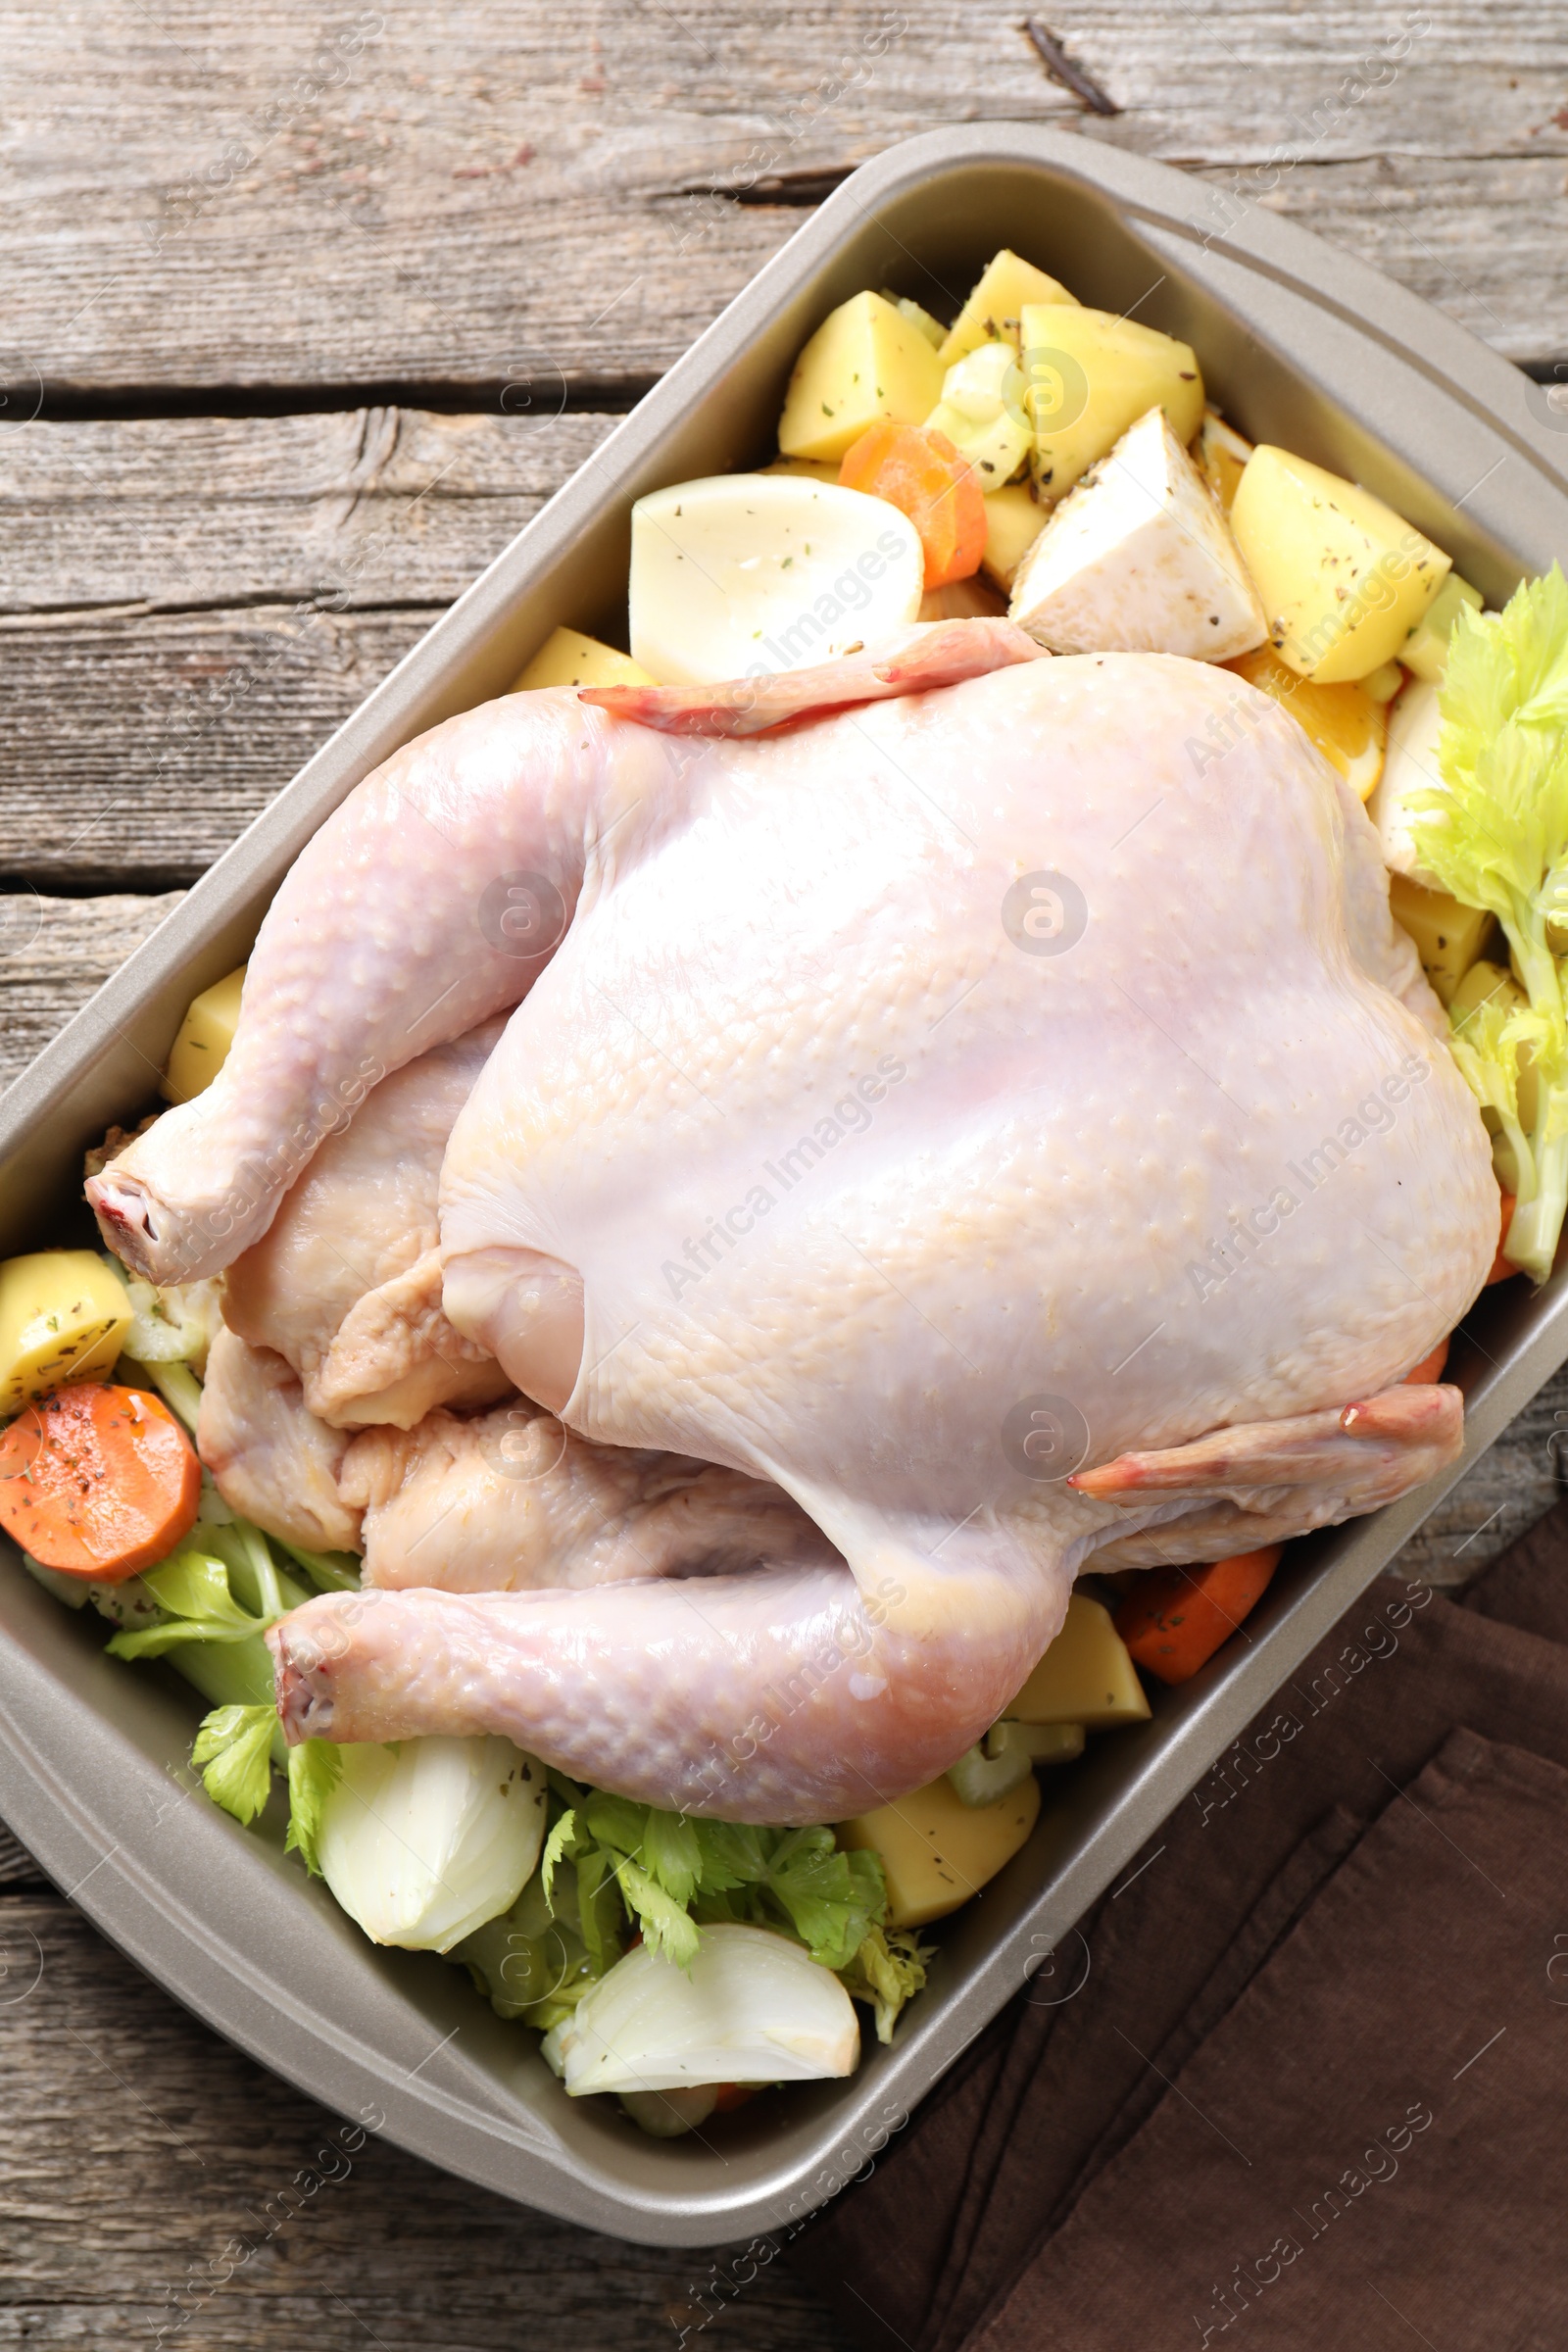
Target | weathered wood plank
(218,594)
(148,2174)
(54,955)
(223,226)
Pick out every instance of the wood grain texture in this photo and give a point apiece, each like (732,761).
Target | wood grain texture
(56,953)
(486,197)
(206,195)
(188,607)
(155,2186)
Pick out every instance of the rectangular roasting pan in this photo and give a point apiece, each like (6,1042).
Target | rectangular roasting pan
(1300,344)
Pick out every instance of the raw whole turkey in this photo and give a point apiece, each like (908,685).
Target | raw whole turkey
(945,1087)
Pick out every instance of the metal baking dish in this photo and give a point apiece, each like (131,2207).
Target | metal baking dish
(1300,344)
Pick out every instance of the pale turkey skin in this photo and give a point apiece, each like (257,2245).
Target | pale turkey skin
(1202,1168)
(346,1282)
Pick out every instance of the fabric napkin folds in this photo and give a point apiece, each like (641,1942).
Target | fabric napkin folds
(1302,2079)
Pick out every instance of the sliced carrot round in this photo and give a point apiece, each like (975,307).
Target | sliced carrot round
(98,1482)
(1174,1619)
(921,473)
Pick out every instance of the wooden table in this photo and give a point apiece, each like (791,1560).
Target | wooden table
(268,270)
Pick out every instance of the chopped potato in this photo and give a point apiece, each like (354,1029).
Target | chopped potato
(1090,376)
(1344,579)
(1448,936)
(993,312)
(864,361)
(937,1851)
(1348,726)
(1085,1677)
(1425,652)
(1138,559)
(64,1316)
(201,1047)
(1221,453)
(1015,521)
(567,658)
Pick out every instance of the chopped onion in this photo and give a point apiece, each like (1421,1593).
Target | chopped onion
(753,2007)
(424,1841)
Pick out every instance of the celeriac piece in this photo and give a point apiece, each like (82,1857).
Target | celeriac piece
(1138,559)
(753,2007)
(1221,453)
(745,575)
(1425,652)
(982,413)
(1410,767)
(202,1042)
(865,360)
(64,1316)
(1343,578)
(1086,1677)
(1447,935)
(937,1851)
(422,1840)
(1348,726)
(1090,376)
(1015,521)
(567,658)
(993,312)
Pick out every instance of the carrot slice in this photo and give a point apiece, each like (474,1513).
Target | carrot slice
(1429,1367)
(1174,1619)
(97,1481)
(734,2095)
(921,473)
(1502,1267)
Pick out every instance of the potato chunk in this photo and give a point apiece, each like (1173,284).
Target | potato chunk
(865,360)
(993,312)
(937,1851)
(1091,375)
(201,1046)
(63,1317)
(1448,935)
(1137,560)
(1344,579)
(1015,521)
(1085,1677)
(567,658)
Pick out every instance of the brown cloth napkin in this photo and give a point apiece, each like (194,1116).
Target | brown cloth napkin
(933,2246)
